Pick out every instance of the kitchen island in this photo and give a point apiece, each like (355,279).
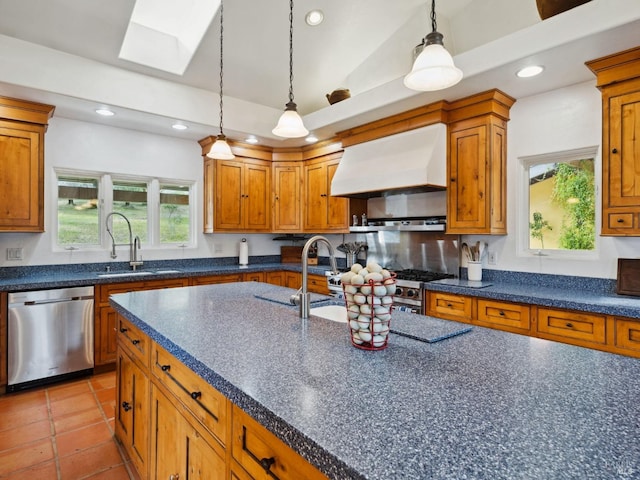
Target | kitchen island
(482,405)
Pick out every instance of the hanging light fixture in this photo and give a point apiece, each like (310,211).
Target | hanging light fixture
(290,124)
(221,150)
(433,69)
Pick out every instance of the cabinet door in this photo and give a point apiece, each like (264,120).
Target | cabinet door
(275,278)
(22,178)
(3,339)
(256,197)
(228,195)
(132,411)
(337,207)
(315,198)
(293,280)
(287,183)
(105,344)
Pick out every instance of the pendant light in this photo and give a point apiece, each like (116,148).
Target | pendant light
(290,124)
(221,150)
(434,68)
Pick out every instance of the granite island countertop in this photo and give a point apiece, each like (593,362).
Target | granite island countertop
(482,405)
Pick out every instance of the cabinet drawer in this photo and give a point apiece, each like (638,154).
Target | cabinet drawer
(509,316)
(453,307)
(211,279)
(104,291)
(253,446)
(318,284)
(133,340)
(627,334)
(572,325)
(621,221)
(205,403)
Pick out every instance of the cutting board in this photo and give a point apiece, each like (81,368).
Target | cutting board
(628,276)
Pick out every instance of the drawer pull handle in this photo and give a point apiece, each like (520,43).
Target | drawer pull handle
(449,305)
(123,330)
(620,220)
(126,406)
(165,368)
(196,395)
(174,476)
(569,325)
(501,313)
(265,463)
(135,342)
(615,150)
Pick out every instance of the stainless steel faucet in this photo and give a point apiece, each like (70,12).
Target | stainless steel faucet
(302,297)
(134,243)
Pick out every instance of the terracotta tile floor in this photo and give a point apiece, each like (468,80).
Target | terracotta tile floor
(61,432)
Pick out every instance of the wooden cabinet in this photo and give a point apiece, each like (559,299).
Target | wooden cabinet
(132,394)
(276,278)
(22,128)
(508,316)
(3,341)
(242,195)
(212,279)
(317,284)
(287,197)
(105,316)
(322,212)
(477,176)
(253,277)
(207,195)
(180,451)
(450,306)
(627,336)
(575,327)
(618,77)
(263,455)
(292,279)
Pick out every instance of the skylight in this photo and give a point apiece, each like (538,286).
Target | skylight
(165,34)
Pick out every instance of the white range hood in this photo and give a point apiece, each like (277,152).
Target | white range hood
(411,161)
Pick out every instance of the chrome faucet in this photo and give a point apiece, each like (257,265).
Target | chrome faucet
(302,297)
(134,244)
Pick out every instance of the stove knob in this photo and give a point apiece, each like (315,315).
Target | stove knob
(398,291)
(411,293)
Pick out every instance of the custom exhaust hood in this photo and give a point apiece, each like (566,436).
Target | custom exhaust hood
(408,162)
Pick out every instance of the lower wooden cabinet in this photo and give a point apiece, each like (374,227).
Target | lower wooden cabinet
(627,335)
(3,341)
(449,306)
(263,455)
(565,325)
(212,279)
(504,315)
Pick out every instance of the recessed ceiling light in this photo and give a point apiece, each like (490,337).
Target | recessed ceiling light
(530,71)
(314,17)
(179,126)
(105,112)
(251,139)
(311,139)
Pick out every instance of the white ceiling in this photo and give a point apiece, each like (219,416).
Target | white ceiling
(65,52)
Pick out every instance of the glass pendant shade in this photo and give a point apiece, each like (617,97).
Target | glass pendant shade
(221,150)
(290,124)
(433,70)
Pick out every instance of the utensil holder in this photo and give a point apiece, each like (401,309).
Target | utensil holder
(474,271)
(369,308)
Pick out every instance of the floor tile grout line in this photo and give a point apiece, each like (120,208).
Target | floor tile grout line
(52,430)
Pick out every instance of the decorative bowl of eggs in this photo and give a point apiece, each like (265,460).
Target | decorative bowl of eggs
(368,293)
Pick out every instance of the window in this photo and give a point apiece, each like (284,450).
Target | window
(78,213)
(160,211)
(560,202)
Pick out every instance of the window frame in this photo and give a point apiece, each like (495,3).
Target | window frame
(523,214)
(105,206)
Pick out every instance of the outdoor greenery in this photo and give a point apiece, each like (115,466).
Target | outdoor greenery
(538,226)
(574,191)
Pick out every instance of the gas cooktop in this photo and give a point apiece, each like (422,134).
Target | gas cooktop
(421,275)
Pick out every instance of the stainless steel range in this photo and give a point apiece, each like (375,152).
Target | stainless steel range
(409,287)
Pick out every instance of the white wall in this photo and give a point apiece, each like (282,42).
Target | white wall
(562,119)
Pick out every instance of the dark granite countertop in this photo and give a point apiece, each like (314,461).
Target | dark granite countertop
(482,405)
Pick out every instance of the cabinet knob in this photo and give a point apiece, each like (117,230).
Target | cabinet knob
(175,476)
(569,325)
(267,462)
(123,330)
(196,395)
(126,406)
(135,342)
(165,368)
(501,313)
(620,220)
(614,150)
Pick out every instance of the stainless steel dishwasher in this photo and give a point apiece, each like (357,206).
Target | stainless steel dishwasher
(50,336)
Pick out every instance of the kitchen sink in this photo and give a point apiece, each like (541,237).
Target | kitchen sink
(335,313)
(131,273)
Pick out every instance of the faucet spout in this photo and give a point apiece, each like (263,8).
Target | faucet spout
(134,245)
(303,296)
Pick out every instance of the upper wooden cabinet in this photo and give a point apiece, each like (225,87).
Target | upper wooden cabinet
(322,212)
(477,187)
(22,127)
(618,77)
(287,197)
(242,195)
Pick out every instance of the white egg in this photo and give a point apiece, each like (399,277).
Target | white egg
(353,311)
(346,277)
(388,300)
(378,340)
(385,273)
(380,290)
(378,327)
(355,338)
(365,309)
(373,277)
(371,300)
(383,317)
(391,288)
(365,336)
(363,272)
(354,325)
(349,297)
(350,289)
(356,267)
(359,298)
(374,267)
(364,322)
(357,280)
(379,310)
(366,289)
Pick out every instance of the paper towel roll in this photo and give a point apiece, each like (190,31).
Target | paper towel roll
(244,252)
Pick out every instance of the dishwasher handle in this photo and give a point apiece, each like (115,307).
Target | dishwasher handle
(56,300)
